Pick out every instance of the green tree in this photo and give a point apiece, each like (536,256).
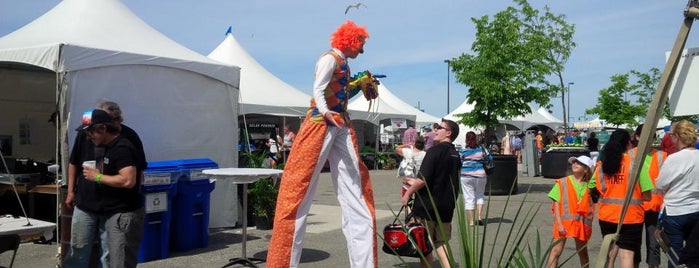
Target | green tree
(614,105)
(648,84)
(514,54)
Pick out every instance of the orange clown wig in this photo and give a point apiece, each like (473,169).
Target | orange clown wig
(348,36)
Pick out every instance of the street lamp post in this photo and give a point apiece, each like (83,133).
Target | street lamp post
(448,72)
(568,113)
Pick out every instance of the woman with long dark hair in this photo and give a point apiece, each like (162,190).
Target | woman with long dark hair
(473,178)
(611,179)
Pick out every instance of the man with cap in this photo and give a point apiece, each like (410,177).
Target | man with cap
(103,194)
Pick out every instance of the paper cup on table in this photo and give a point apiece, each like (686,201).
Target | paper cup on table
(90,164)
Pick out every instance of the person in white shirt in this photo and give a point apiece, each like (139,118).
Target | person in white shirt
(679,180)
(273,151)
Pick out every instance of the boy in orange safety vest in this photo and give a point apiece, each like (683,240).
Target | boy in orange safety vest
(573,210)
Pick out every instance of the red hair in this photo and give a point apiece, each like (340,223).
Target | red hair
(348,36)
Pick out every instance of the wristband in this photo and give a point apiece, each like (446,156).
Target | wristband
(98,178)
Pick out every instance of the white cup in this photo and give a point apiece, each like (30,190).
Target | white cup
(90,164)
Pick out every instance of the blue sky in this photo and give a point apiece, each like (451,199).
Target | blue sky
(409,39)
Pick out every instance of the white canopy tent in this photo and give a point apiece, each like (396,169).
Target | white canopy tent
(261,92)
(265,94)
(539,117)
(81,51)
(390,103)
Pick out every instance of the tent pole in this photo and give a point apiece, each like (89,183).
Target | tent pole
(282,145)
(377,142)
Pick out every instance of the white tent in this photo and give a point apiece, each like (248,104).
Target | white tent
(261,92)
(540,117)
(375,111)
(387,103)
(182,104)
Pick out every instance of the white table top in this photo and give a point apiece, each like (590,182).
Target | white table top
(11,225)
(243,175)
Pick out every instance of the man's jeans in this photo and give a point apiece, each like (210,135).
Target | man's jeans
(120,235)
(125,231)
(678,228)
(85,227)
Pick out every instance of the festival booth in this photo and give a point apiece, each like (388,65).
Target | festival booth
(388,106)
(378,113)
(180,102)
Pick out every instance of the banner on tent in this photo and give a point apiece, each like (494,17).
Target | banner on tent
(398,123)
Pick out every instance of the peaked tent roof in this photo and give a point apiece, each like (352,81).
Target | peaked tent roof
(378,110)
(389,103)
(540,117)
(115,35)
(261,92)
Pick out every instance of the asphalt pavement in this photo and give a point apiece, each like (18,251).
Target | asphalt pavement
(325,244)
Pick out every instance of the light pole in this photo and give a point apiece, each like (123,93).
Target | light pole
(568,113)
(448,71)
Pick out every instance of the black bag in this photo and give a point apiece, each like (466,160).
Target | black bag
(408,240)
(488,163)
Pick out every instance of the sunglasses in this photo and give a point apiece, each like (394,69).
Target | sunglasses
(438,127)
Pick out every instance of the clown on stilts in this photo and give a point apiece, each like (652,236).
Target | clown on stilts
(327,134)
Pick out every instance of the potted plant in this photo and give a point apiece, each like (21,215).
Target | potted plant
(262,193)
(264,199)
(385,161)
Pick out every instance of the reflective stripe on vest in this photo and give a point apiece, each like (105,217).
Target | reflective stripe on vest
(618,201)
(565,203)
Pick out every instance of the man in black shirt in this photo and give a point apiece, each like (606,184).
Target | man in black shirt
(89,214)
(116,177)
(438,187)
(593,143)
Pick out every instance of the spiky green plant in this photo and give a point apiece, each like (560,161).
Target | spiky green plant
(518,250)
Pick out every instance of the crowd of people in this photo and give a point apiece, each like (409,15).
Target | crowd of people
(663,206)
(107,200)
(664,203)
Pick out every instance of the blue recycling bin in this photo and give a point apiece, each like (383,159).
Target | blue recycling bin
(159,188)
(190,226)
